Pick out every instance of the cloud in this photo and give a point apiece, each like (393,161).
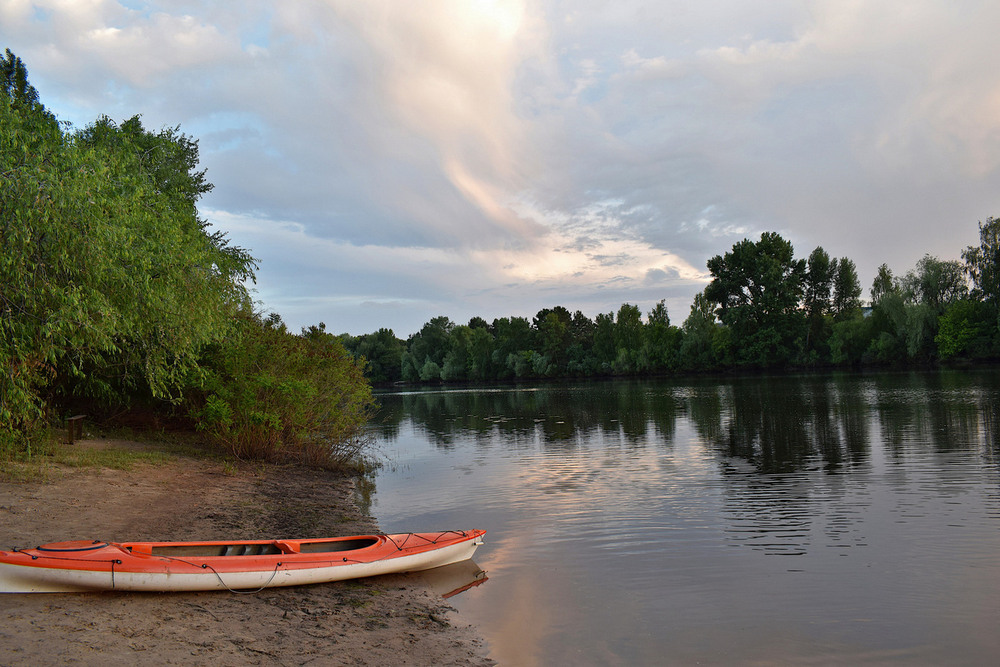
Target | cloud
(391,161)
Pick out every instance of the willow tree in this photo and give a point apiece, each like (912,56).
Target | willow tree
(846,291)
(982,263)
(111,284)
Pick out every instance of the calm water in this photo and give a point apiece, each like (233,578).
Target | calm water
(814,519)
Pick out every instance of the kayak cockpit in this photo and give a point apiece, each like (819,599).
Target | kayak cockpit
(203,550)
(327,546)
(249,548)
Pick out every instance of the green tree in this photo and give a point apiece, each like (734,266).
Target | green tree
(384,354)
(888,326)
(818,287)
(659,315)
(426,350)
(513,336)
(579,357)
(883,285)
(430,371)
(846,291)
(582,330)
(192,282)
(20,94)
(935,283)
(628,338)
(758,287)
(480,354)
(888,323)
(605,349)
(700,336)
(964,330)
(456,360)
(110,283)
(552,329)
(919,330)
(818,283)
(478,323)
(928,291)
(169,158)
(982,263)
(850,340)
(661,342)
(850,334)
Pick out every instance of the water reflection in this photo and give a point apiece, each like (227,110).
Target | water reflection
(451,580)
(776,424)
(555,414)
(774,519)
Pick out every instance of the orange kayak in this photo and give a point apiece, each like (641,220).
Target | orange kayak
(70,567)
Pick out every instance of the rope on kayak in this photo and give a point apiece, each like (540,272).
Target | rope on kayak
(429,540)
(206,566)
(402,544)
(63,558)
(258,590)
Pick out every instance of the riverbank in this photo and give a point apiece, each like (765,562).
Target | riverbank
(392,619)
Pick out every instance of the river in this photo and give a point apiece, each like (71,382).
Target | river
(850,518)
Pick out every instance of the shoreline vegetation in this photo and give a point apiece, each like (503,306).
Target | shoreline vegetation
(119,303)
(763,312)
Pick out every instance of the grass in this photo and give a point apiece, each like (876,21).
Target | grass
(38,456)
(114,458)
(21,472)
(26,459)
(41,466)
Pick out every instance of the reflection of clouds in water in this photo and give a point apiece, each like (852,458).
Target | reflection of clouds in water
(520,618)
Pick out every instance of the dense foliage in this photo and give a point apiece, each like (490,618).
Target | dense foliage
(112,288)
(763,309)
(270,395)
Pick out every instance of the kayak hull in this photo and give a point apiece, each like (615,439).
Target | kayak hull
(73,567)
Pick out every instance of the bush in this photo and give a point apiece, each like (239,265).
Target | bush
(275,396)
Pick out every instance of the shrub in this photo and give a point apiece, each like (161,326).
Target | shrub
(275,396)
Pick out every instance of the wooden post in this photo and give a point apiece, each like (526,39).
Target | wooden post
(75,426)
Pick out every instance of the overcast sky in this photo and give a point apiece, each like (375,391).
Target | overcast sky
(389,161)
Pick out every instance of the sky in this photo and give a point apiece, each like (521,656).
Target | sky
(391,161)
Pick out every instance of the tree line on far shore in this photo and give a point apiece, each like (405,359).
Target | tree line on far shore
(764,309)
(116,297)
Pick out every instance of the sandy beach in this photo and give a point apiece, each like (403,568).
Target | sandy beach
(384,620)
